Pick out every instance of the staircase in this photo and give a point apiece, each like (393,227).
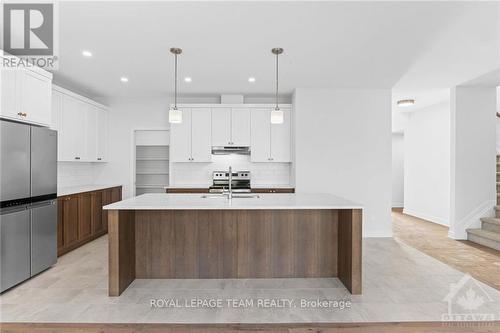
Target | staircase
(489,233)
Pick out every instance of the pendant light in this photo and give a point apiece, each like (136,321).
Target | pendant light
(174,114)
(277,116)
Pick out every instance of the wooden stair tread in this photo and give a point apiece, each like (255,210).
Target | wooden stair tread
(485,234)
(491,220)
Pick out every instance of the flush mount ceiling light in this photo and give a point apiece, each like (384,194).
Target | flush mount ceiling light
(87,54)
(277,116)
(174,114)
(251,79)
(405,102)
(187,79)
(124,79)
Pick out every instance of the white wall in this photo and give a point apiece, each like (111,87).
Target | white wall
(343,146)
(398,169)
(473,149)
(427,164)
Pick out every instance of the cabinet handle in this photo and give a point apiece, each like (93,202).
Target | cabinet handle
(77,158)
(99,158)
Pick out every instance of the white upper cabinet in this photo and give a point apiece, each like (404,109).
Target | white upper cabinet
(261,135)
(90,132)
(240,127)
(180,138)
(221,126)
(270,142)
(26,95)
(81,125)
(102,137)
(230,126)
(72,129)
(36,96)
(201,135)
(10,93)
(245,125)
(191,140)
(281,139)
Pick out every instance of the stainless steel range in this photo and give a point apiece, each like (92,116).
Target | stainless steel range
(240,182)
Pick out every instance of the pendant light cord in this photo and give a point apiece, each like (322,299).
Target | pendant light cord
(277,72)
(175,84)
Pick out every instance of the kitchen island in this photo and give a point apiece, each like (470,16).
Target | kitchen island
(194,236)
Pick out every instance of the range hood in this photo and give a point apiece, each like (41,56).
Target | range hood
(228,150)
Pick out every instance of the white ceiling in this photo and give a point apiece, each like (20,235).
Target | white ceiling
(327,44)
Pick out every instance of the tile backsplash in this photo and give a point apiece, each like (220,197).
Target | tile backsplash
(201,173)
(75,173)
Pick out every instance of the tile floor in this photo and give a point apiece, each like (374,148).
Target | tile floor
(400,284)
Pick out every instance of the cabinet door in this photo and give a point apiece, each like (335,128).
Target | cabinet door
(221,126)
(102,139)
(97,212)
(72,143)
(201,135)
(280,140)
(70,221)
(260,135)
(36,96)
(106,200)
(180,138)
(90,132)
(9,93)
(60,225)
(55,119)
(116,194)
(84,217)
(240,127)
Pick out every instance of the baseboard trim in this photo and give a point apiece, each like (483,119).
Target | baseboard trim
(423,216)
(472,220)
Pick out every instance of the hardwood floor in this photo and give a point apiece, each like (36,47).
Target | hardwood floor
(480,262)
(401,327)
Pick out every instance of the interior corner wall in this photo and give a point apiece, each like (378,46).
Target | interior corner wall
(427,164)
(397,170)
(473,162)
(342,146)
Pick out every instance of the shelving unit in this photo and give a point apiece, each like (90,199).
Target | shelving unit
(151,168)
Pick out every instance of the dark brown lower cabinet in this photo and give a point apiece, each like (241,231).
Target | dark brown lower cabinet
(81,218)
(70,220)
(84,217)
(106,200)
(96,208)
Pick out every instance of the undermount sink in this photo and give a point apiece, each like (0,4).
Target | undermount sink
(235,196)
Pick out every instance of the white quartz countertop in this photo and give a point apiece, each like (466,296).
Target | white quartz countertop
(164,201)
(68,190)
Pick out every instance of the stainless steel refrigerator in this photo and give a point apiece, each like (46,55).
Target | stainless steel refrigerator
(28,195)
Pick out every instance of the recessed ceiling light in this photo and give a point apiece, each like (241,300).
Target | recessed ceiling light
(405,102)
(251,79)
(187,79)
(87,54)
(124,79)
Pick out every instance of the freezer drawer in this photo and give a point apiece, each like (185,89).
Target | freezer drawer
(15,247)
(43,236)
(43,161)
(14,160)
